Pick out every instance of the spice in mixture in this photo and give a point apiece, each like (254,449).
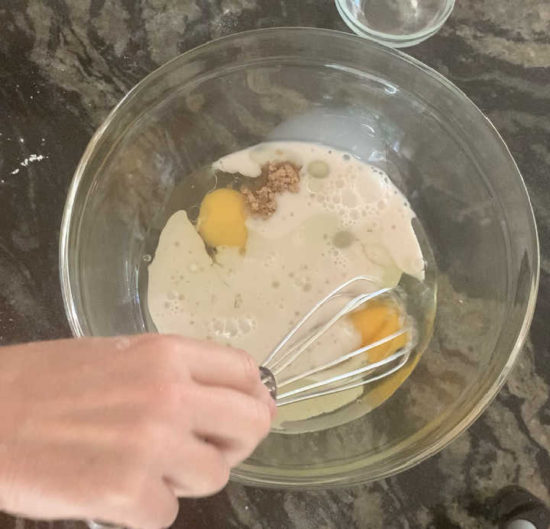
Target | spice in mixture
(277,177)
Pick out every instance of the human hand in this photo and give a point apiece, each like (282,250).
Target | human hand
(115,429)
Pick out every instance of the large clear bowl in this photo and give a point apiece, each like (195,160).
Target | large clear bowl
(386,108)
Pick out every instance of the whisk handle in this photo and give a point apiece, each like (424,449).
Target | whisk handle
(268,379)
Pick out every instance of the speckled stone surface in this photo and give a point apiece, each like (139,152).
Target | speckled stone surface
(65,63)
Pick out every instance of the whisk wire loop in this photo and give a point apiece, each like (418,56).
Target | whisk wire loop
(281,358)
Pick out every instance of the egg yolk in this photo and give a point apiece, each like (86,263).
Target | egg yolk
(222,218)
(374,322)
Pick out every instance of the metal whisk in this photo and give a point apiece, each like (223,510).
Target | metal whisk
(290,348)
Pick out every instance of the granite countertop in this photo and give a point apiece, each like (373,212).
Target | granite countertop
(65,63)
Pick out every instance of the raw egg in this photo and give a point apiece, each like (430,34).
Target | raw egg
(222,219)
(374,322)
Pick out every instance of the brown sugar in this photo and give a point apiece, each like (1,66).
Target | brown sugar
(277,177)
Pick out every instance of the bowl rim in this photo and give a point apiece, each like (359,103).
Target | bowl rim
(68,221)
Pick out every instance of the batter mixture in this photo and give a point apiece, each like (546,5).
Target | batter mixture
(306,218)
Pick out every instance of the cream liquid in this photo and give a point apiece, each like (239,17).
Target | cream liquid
(348,219)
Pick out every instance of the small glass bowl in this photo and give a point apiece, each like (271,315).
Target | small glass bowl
(395,23)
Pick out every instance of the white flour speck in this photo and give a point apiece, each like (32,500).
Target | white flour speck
(32,158)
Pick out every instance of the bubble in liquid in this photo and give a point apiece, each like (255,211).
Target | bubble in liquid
(349,198)
(231,329)
(343,239)
(147,258)
(318,169)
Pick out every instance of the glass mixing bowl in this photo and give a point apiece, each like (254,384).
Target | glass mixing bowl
(384,107)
